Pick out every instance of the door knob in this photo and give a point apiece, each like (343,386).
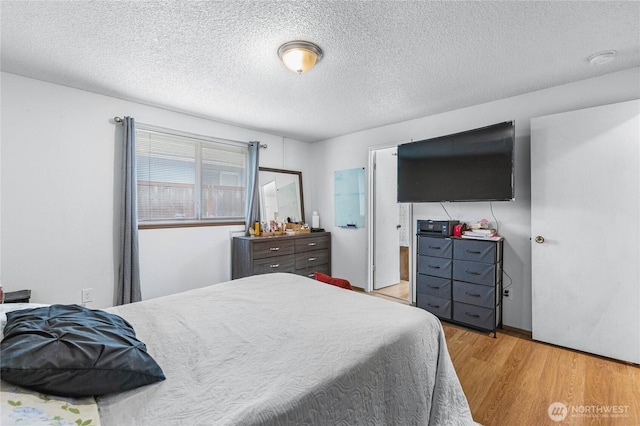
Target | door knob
(398,226)
(539,239)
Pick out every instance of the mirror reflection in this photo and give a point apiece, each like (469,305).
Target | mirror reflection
(281,195)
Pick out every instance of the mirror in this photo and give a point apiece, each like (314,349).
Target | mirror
(281,195)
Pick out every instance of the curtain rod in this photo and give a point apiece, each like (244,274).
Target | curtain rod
(150,127)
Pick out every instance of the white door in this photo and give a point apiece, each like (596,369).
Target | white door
(386,237)
(585,214)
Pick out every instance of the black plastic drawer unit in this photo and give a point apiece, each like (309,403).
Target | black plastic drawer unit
(460,280)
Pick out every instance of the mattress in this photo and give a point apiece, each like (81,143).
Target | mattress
(281,349)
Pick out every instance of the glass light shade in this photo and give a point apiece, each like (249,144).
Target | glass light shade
(300,56)
(299,60)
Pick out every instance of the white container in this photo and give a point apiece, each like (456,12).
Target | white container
(315,220)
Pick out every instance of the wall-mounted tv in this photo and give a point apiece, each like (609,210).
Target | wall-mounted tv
(476,165)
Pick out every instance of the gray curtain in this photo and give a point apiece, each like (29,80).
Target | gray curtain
(252,211)
(128,290)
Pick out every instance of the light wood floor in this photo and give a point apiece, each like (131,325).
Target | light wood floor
(397,291)
(513,380)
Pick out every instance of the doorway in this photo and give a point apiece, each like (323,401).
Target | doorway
(390,239)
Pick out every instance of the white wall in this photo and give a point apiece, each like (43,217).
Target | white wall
(57,175)
(0,185)
(349,257)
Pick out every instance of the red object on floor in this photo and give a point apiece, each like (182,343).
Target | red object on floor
(338,282)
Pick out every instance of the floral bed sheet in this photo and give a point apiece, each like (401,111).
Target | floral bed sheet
(21,406)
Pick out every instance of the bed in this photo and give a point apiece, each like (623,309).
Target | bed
(280,349)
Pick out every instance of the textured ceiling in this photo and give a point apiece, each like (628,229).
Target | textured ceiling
(384,62)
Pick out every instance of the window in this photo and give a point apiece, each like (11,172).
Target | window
(189,179)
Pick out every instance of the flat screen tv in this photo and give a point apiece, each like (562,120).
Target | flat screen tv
(476,165)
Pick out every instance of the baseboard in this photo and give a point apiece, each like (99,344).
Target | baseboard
(518,332)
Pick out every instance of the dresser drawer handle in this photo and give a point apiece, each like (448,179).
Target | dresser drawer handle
(474,252)
(473,273)
(472,315)
(311,259)
(472,294)
(434,306)
(434,287)
(435,247)
(275,265)
(433,267)
(311,244)
(274,248)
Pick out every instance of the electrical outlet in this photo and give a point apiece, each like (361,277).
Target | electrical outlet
(87,295)
(506,293)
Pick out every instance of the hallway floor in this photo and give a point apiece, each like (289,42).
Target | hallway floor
(396,291)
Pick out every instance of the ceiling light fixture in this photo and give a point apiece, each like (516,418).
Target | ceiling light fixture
(300,56)
(602,58)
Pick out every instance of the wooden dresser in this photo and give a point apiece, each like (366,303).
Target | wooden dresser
(301,254)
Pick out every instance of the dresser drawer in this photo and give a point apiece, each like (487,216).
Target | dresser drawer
(434,286)
(436,305)
(476,316)
(273,247)
(310,259)
(476,251)
(475,272)
(309,272)
(274,264)
(474,294)
(436,266)
(437,247)
(312,243)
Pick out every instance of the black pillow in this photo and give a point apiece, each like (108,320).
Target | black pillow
(69,350)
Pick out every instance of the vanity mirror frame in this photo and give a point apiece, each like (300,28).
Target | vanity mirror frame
(301,219)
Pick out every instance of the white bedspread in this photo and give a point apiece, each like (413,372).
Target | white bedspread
(280,349)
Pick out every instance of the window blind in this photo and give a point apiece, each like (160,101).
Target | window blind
(185,178)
